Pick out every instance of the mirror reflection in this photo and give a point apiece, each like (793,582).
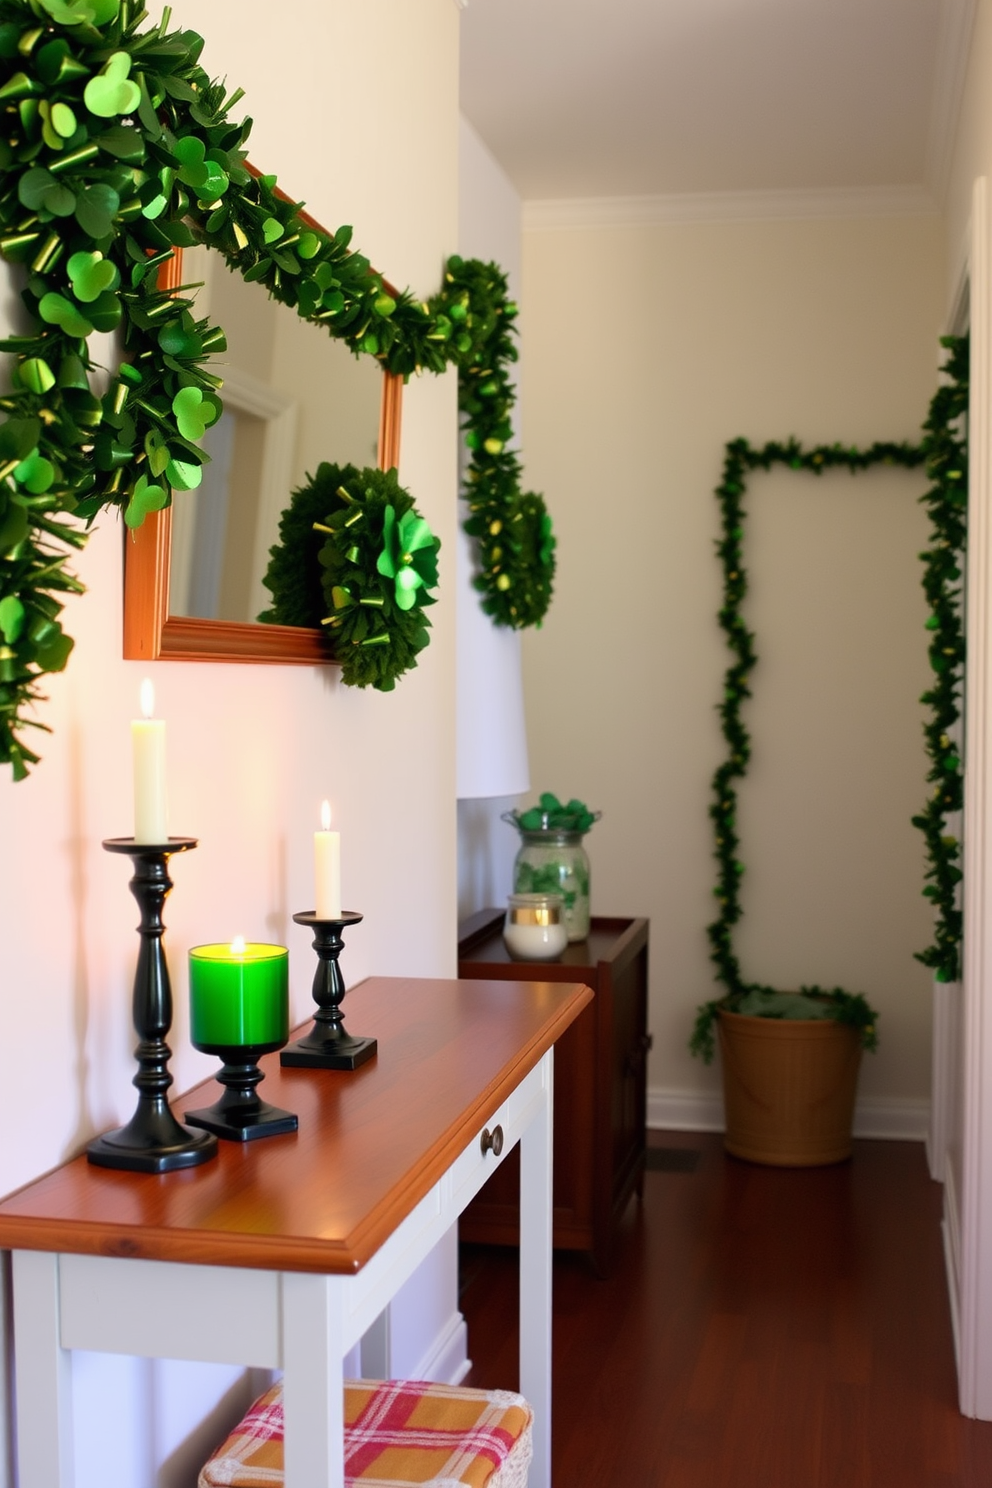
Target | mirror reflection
(292,397)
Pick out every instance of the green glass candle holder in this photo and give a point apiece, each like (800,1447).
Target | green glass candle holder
(239,1010)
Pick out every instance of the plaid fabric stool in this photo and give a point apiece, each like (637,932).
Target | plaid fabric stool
(396,1432)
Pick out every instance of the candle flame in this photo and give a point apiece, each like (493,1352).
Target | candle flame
(147,698)
(238,946)
(325,816)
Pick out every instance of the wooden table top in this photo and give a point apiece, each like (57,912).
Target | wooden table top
(372,1141)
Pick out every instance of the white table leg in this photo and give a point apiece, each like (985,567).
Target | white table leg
(377,1348)
(43,1375)
(313,1379)
(535,1278)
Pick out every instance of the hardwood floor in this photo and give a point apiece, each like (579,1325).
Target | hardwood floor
(762,1328)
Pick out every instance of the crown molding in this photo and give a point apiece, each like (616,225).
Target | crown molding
(957,18)
(727,206)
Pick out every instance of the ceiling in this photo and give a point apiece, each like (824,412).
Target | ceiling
(646,98)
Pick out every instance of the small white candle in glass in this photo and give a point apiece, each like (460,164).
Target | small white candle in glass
(535,929)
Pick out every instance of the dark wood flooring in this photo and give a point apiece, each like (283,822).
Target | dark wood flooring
(762,1328)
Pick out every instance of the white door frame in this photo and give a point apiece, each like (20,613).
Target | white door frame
(974,1309)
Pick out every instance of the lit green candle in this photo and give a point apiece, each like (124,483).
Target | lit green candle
(239,996)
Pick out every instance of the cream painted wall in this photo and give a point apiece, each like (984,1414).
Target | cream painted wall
(647,348)
(355,107)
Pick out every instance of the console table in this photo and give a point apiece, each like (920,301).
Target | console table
(600,1078)
(283,1253)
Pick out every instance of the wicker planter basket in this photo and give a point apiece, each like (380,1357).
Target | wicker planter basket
(789,1089)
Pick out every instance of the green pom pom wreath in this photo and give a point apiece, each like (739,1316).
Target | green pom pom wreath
(358,559)
(294,574)
(376,636)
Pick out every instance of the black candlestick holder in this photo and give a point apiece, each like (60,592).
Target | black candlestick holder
(153,1141)
(241,1115)
(327,1045)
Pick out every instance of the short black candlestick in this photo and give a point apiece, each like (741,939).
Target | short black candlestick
(153,1140)
(327,1045)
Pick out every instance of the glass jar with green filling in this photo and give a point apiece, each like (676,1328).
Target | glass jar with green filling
(552,859)
(550,862)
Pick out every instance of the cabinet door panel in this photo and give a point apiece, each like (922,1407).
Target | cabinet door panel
(629,1085)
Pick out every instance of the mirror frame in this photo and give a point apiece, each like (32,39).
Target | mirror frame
(152,634)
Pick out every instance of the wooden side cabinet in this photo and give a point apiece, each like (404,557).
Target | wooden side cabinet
(600,1102)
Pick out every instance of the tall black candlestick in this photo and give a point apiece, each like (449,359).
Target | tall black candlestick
(153,1140)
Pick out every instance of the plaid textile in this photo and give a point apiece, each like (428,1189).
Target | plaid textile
(397,1432)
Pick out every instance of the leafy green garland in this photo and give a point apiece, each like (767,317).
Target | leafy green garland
(116,148)
(512,527)
(945,448)
(741,458)
(352,543)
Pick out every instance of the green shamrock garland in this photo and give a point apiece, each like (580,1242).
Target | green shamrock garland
(356,556)
(739,459)
(512,528)
(945,450)
(116,149)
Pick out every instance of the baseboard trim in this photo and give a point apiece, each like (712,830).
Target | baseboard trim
(684,1110)
(891,1118)
(951,1230)
(952,1291)
(874,1116)
(447,1361)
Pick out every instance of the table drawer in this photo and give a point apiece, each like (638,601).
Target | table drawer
(480,1158)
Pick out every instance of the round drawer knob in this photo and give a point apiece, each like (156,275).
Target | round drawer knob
(492,1141)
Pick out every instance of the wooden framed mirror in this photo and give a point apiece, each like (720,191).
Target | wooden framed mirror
(192,573)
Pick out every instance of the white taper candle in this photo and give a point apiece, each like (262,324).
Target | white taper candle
(327,868)
(151,822)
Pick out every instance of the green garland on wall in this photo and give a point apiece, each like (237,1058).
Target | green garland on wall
(740,459)
(945,449)
(117,148)
(511,527)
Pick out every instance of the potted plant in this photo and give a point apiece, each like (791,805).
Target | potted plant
(790,1069)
